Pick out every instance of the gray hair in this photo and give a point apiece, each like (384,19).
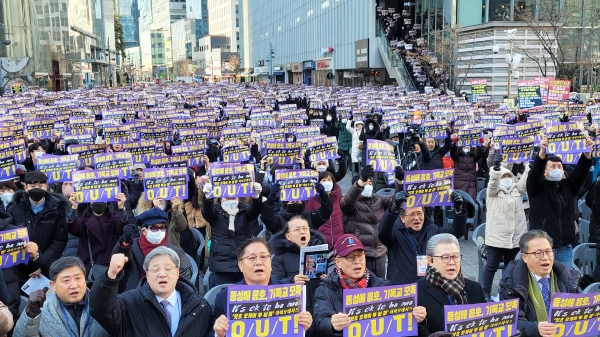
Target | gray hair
(159,251)
(438,239)
(531,235)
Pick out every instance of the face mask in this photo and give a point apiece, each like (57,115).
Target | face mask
(466,150)
(555,175)
(229,205)
(162,206)
(155,237)
(36,194)
(371,127)
(321,168)
(506,182)
(67,190)
(6,197)
(290,140)
(295,208)
(99,208)
(328,119)
(368,191)
(328,185)
(395,142)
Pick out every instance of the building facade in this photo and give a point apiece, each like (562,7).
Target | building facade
(212,58)
(130,17)
(224,20)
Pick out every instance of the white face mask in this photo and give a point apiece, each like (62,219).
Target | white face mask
(466,150)
(229,205)
(321,168)
(6,197)
(155,237)
(328,185)
(555,175)
(368,191)
(371,127)
(290,140)
(506,182)
(328,119)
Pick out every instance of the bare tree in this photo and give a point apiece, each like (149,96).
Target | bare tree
(234,63)
(184,67)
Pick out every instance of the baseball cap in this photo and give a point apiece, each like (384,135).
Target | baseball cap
(346,244)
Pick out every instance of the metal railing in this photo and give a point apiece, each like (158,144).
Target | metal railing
(395,60)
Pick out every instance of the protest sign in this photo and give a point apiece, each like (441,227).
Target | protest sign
(141,151)
(255,311)
(166,183)
(429,188)
(14,147)
(516,149)
(117,134)
(235,152)
(96,185)
(282,153)
(381,311)
(435,129)
(575,315)
(39,128)
(566,138)
(558,91)
(468,137)
(237,133)
(296,185)
(194,152)
(120,161)
(596,148)
(231,180)
(323,149)
(192,136)
(569,158)
(8,168)
(86,152)
(168,161)
(528,94)
(81,125)
(12,247)
(478,87)
(496,318)
(544,83)
(152,134)
(58,168)
(381,156)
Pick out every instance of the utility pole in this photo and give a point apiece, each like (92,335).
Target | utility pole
(271,55)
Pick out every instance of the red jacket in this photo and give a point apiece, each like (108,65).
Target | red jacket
(333,228)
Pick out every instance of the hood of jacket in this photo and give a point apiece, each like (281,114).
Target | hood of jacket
(280,244)
(504,171)
(52,200)
(373,122)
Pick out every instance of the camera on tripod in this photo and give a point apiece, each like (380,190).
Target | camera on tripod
(413,137)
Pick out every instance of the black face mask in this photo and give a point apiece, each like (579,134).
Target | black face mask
(36,194)
(295,208)
(99,208)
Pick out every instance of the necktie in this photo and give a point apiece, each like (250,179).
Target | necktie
(165,304)
(545,282)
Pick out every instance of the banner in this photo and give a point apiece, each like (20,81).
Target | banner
(81,125)
(468,137)
(381,156)
(566,138)
(498,319)
(191,136)
(168,161)
(478,87)
(141,151)
(86,152)
(120,161)
(533,129)
(544,82)
(516,150)
(381,311)
(8,168)
(575,315)
(558,91)
(58,168)
(117,134)
(257,311)
(237,133)
(296,185)
(193,152)
(231,180)
(528,94)
(282,153)
(322,149)
(39,128)
(96,186)
(12,247)
(429,188)
(166,183)
(596,148)
(435,129)
(15,147)
(233,152)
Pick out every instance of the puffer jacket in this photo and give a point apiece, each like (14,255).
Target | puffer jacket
(505,220)
(344,137)
(465,172)
(355,134)
(437,154)
(515,284)
(362,216)
(333,228)
(369,134)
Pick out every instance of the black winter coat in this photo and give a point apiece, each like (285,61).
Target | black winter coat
(437,156)
(274,222)
(367,134)
(402,252)
(138,313)
(224,243)
(515,284)
(47,228)
(552,204)
(328,302)
(465,173)
(434,298)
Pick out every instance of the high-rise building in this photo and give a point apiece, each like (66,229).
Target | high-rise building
(130,16)
(224,20)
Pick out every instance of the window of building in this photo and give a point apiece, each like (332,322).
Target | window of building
(325,4)
(65,37)
(56,36)
(44,36)
(55,22)
(64,8)
(64,22)
(46,9)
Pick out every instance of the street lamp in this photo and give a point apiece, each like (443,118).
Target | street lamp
(512,60)
(107,53)
(5,42)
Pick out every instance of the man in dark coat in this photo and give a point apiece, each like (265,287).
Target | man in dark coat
(163,305)
(437,152)
(44,214)
(551,192)
(536,265)
(465,174)
(405,233)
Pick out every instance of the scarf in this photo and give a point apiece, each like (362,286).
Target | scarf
(455,288)
(536,298)
(232,211)
(147,247)
(347,283)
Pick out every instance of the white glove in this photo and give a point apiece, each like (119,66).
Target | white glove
(207,189)
(257,190)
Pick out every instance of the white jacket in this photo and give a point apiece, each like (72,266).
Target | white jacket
(354,152)
(505,217)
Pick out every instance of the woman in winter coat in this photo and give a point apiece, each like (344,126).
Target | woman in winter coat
(193,212)
(333,228)
(465,172)
(7,191)
(355,128)
(505,220)
(344,141)
(372,130)
(229,226)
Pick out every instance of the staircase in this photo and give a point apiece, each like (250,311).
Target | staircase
(394,62)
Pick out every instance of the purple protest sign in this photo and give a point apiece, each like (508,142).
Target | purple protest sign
(12,247)
(235,152)
(141,151)
(468,137)
(195,153)
(296,185)
(516,149)
(39,128)
(381,156)
(575,315)
(387,310)
(265,310)
(237,133)
(496,318)
(114,160)
(566,138)
(8,168)
(117,134)
(166,183)
(231,180)
(86,152)
(435,129)
(282,153)
(94,185)
(14,147)
(429,188)
(323,149)
(58,168)
(168,161)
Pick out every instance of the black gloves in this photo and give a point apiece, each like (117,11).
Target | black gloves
(458,200)
(366,173)
(128,234)
(399,173)
(36,302)
(320,189)
(497,161)
(274,192)
(399,198)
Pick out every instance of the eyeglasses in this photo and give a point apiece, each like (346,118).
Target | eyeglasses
(352,258)
(252,258)
(540,253)
(447,258)
(415,215)
(156,270)
(157,228)
(301,229)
